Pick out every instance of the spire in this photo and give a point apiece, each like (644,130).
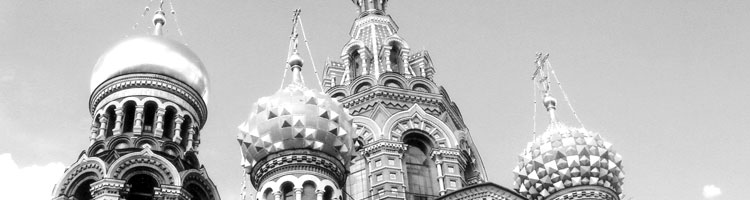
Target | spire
(541,76)
(159,20)
(367,7)
(294,61)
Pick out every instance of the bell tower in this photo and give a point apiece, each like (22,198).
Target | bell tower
(148,105)
(414,142)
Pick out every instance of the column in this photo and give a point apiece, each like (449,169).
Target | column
(319,194)
(441,178)
(118,122)
(387,57)
(346,78)
(191,134)
(277,195)
(177,128)
(298,193)
(103,120)
(159,126)
(138,124)
(364,65)
(405,64)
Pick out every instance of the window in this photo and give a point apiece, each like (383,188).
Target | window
(450,169)
(378,163)
(393,176)
(379,177)
(391,162)
(394,190)
(453,183)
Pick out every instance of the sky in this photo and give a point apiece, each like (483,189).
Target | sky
(665,81)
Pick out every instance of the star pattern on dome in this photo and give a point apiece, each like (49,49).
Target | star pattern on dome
(567,157)
(296,118)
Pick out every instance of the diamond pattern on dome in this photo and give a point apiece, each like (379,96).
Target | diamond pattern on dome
(296,118)
(566,157)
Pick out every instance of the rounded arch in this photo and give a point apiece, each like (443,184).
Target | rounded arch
(145,161)
(420,82)
(95,148)
(119,142)
(367,124)
(352,45)
(147,140)
(86,168)
(194,179)
(128,115)
(362,86)
(141,185)
(111,117)
(437,126)
(168,121)
(172,148)
(150,109)
(397,40)
(392,77)
(187,124)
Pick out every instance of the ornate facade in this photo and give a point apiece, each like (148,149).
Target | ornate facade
(148,104)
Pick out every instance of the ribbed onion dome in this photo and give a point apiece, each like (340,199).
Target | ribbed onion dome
(152,54)
(296,118)
(565,157)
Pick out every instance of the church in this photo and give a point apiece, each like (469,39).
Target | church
(381,128)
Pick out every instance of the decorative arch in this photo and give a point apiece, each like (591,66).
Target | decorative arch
(114,142)
(417,118)
(86,168)
(369,130)
(200,179)
(392,81)
(352,45)
(396,39)
(297,182)
(168,174)
(414,81)
(95,147)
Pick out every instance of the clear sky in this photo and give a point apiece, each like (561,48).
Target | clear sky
(664,81)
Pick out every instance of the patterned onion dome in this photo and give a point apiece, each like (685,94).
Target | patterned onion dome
(296,118)
(152,54)
(565,157)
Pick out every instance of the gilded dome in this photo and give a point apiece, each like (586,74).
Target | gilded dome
(152,54)
(565,157)
(296,118)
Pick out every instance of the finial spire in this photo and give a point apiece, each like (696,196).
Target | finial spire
(541,76)
(159,19)
(371,6)
(294,60)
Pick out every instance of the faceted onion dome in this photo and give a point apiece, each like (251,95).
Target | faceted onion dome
(152,54)
(296,118)
(565,157)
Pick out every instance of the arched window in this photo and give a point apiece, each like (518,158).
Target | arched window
(197,192)
(185,130)
(149,112)
(83,191)
(129,118)
(395,58)
(355,62)
(421,88)
(308,191)
(361,87)
(338,96)
(328,194)
(268,194)
(168,123)
(111,117)
(393,83)
(141,187)
(421,173)
(287,191)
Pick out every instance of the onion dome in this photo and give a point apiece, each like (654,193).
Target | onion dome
(152,54)
(296,117)
(566,157)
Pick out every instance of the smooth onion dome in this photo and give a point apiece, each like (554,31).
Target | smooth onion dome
(565,157)
(154,55)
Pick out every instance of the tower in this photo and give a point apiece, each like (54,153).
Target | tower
(148,104)
(567,163)
(297,142)
(413,142)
